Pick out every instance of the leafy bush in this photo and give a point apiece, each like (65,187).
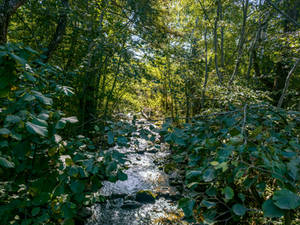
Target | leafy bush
(241,166)
(45,178)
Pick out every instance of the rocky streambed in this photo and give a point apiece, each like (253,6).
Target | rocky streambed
(146,197)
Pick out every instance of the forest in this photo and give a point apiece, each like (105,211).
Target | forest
(190,109)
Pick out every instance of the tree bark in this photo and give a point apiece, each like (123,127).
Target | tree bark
(254,44)
(206,69)
(241,41)
(7,9)
(287,82)
(222,37)
(59,32)
(216,43)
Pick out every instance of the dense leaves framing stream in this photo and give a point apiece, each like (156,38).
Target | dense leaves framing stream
(242,165)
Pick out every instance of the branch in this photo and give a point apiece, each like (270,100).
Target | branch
(286,85)
(283,13)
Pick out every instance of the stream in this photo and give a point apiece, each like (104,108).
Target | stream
(146,197)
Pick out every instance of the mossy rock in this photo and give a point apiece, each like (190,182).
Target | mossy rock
(145,196)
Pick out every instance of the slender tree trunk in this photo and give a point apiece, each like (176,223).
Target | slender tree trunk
(241,41)
(59,32)
(287,82)
(188,105)
(7,9)
(216,43)
(206,69)
(222,37)
(110,94)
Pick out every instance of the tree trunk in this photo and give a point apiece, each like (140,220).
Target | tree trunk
(7,9)
(222,37)
(206,69)
(241,41)
(254,44)
(59,32)
(287,82)
(216,43)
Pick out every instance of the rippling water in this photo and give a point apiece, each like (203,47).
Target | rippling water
(143,174)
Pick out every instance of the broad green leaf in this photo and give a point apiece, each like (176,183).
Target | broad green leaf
(17,58)
(285,199)
(187,205)
(43,116)
(35,211)
(193,173)
(5,163)
(208,204)
(42,98)
(12,119)
(77,186)
(68,91)
(271,210)
(228,192)
(72,119)
(122,176)
(57,138)
(36,129)
(209,175)
(110,136)
(4,131)
(40,122)
(239,209)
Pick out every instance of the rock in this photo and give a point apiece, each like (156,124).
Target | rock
(145,197)
(129,204)
(153,150)
(116,196)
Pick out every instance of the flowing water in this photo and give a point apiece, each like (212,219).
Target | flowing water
(146,176)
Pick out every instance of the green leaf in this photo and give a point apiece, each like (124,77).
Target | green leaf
(77,186)
(35,211)
(36,129)
(239,209)
(12,119)
(68,91)
(285,199)
(43,116)
(228,192)
(208,204)
(17,58)
(193,173)
(5,163)
(72,119)
(4,131)
(60,124)
(209,175)
(40,122)
(271,210)
(57,138)
(187,205)
(110,137)
(42,98)
(122,176)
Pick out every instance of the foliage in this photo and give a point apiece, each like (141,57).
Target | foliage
(46,177)
(242,165)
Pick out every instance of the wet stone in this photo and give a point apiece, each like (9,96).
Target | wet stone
(129,204)
(145,197)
